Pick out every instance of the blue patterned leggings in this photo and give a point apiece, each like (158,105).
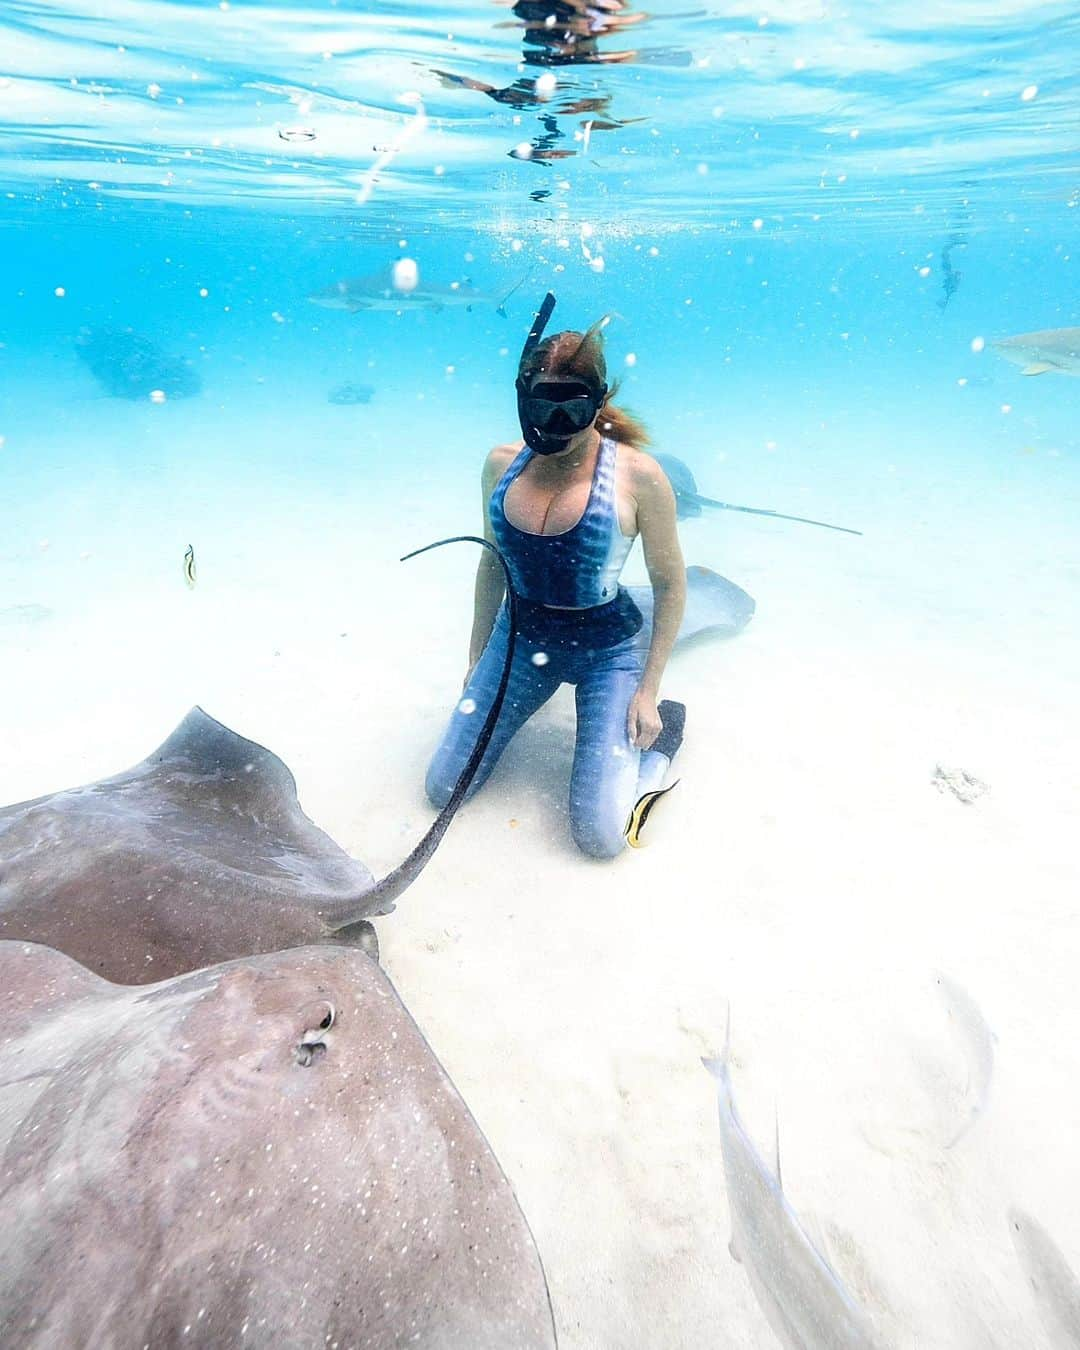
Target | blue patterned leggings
(609,774)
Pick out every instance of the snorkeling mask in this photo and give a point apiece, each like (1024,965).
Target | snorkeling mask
(553,409)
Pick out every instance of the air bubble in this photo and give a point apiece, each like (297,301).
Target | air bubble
(467,706)
(406,274)
(540,658)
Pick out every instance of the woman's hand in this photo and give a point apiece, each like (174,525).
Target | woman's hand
(643,721)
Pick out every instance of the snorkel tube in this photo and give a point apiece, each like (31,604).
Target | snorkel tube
(536,332)
(535,439)
(550,422)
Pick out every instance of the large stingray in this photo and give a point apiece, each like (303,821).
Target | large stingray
(266,1153)
(199,854)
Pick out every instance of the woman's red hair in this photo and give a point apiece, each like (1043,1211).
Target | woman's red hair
(582,355)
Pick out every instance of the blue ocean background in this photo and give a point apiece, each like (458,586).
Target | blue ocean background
(762,198)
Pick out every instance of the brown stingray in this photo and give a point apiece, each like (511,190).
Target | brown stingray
(200,854)
(197,855)
(266,1153)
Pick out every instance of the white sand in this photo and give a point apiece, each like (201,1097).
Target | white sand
(806,871)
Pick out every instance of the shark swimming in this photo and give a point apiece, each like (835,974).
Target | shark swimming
(979,1040)
(803,1299)
(1054,350)
(1053,1285)
(399,288)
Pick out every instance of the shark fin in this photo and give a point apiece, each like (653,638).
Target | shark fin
(1038,368)
(500,308)
(733,1251)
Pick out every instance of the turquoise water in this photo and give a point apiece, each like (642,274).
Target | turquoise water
(810,224)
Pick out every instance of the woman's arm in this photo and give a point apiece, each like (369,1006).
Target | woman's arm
(490,584)
(667,572)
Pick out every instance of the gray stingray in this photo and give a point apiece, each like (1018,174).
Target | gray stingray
(1054,1286)
(688,501)
(713,605)
(199,854)
(266,1153)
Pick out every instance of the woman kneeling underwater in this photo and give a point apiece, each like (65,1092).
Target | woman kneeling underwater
(564,508)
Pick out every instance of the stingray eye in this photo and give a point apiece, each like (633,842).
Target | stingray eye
(328,1020)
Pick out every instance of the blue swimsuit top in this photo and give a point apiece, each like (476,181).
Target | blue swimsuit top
(578,568)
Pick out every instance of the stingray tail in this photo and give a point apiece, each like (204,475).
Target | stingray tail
(380,899)
(776,515)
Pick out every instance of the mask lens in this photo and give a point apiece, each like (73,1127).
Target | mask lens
(561,407)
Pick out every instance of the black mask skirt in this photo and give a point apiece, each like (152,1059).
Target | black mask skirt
(552,412)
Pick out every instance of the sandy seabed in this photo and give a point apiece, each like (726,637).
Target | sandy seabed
(807,873)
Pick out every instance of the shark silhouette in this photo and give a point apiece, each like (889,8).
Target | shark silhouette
(1052,349)
(383,290)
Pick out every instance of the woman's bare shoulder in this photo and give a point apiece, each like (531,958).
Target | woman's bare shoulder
(642,472)
(502,454)
(499,458)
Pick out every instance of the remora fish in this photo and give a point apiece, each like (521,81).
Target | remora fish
(189,567)
(800,1294)
(378,291)
(1056,1290)
(1052,349)
(979,1040)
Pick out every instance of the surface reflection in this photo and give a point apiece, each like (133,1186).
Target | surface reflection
(560,33)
